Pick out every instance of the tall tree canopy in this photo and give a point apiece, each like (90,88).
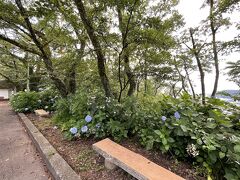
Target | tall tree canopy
(120,47)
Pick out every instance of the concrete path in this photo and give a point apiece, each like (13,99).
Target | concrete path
(18,157)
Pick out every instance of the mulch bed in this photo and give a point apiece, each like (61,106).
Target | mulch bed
(81,157)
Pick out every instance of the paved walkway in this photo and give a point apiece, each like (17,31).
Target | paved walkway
(18,157)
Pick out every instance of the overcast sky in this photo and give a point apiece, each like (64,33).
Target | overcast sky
(193,15)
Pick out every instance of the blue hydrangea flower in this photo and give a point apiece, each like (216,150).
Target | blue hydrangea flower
(164,118)
(88,118)
(98,125)
(73,130)
(84,129)
(177,115)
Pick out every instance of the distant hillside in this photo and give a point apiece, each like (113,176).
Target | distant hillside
(225,93)
(232,92)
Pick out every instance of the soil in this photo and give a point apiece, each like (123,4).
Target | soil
(81,157)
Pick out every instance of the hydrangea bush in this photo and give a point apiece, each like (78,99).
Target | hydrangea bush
(29,101)
(48,99)
(93,115)
(204,135)
(200,134)
(25,101)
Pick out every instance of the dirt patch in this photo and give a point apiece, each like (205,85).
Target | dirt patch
(90,166)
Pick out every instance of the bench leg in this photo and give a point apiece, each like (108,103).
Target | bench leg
(108,164)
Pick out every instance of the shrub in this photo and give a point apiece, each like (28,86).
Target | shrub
(206,135)
(202,134)
(25,101)
(108,116)
(47,100)
(30,101)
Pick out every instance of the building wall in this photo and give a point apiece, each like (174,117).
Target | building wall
(4,93)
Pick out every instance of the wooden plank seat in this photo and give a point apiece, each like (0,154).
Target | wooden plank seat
(41,113)
(133,163)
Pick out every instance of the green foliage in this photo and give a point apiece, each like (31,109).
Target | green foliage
(47,100)
(234,71)
(139,55)
(25,101)
(30,101)
(205,135)
(108,116)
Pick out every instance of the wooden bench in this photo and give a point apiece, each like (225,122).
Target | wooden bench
(41,113)
(133,163)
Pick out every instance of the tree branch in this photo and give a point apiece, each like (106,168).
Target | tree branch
(24,47)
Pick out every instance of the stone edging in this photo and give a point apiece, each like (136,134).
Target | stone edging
(56,165)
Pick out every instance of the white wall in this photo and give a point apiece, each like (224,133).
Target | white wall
(4,93)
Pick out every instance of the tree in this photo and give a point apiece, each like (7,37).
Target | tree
(185,63)
(196,49)
(214,23)
(234,72)
(214,28)
(47,38)
(97,46)
(124,51)
(154,40)
(25,29)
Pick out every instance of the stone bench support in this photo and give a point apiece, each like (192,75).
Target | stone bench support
(41,113)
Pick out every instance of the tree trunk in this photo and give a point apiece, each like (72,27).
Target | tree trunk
(28,77)
(131,78)
(145,77)
(196,54)
(214,47)
(181,77)
(16,84)
(189,80)
(72,84)
(44,54)
(173,91)
(97,47)
(34,78)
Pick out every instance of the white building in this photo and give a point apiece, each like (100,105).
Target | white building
(6,90)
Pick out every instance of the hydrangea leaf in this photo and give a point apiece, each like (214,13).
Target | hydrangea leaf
(221,155)
(184,128)
(237,148)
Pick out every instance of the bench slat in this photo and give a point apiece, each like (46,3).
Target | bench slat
(135,164)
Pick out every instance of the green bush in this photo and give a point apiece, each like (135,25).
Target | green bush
(202,134)
(109,118)
(205,135)
(30,101)
(25,101)
(47,100)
